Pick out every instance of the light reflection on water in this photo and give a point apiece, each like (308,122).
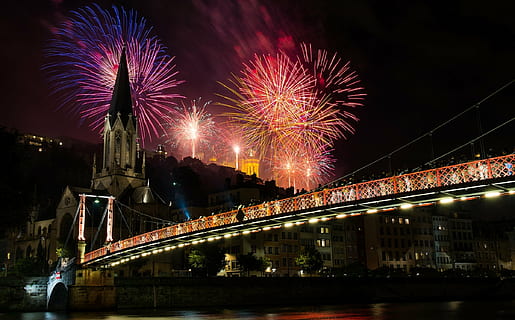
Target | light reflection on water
(379,311)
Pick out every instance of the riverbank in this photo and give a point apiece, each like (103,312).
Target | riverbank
(171,293)
(232,292)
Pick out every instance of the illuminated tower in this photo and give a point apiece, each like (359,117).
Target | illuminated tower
(121,167)
(250,165)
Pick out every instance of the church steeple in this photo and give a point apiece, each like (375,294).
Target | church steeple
(121,102)
(120,168)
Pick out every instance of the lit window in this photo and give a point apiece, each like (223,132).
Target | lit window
(323,242)
(324,230)
(406,221)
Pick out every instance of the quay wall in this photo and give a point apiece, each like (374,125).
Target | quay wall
(211,292)
(23,294)
(29,294)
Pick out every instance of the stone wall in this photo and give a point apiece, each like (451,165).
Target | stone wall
(18,294)
(92,297)
(190,292)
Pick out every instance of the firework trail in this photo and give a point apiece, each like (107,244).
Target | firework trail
(193,128)
(229,140)
(335,82)
(84,57)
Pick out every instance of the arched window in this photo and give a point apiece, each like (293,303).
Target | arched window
(117,147)
(127,153)
(106,151)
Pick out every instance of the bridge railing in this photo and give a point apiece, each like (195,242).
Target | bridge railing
(491,168)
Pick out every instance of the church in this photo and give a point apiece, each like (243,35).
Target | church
(120,174)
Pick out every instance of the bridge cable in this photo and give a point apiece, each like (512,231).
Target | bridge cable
(146,215)
(469,142)
(72,227)
(124,220)
(99,227)
(430,132)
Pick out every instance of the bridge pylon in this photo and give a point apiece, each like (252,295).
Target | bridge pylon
(81,249)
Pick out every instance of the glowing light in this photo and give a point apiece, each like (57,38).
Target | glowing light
(266,228)
(227,235)
(406,206)
(313,220)
(84,57)
(446,200)
(288,225)
(492,194)
(246,232)
(341,216)
(372,211)
(236,152)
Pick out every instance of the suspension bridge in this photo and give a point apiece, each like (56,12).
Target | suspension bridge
(461,182)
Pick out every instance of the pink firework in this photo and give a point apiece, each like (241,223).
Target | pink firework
(303,167)
(84,62)
(192,129)
(295,109)
(268,95)
(335,82)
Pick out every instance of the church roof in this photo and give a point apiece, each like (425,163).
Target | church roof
(121,101)
(143,194)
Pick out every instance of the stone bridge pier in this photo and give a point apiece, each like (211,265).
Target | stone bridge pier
(75,288)
(59,284)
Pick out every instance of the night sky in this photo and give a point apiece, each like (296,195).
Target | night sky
(420,63)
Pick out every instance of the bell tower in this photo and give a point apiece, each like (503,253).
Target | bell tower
(121,166)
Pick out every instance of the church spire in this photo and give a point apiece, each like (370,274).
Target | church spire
(121,101)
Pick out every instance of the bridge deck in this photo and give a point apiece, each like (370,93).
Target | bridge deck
(472,173)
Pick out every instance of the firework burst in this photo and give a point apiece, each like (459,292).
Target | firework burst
(335,82)
(303,167)
(84,58)
(193,129)
(268,96)
(291,109)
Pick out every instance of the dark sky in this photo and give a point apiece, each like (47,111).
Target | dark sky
(420,63)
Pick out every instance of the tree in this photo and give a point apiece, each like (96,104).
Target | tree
(309,260)
(197,261)
(206,260)
(249,262)
(263,263)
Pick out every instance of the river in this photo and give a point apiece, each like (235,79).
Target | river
(378,311)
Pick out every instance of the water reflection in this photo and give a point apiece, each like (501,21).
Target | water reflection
(378,311)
